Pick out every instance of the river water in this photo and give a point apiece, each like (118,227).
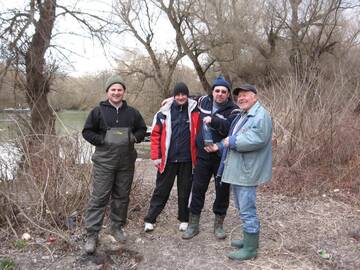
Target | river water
(67,123)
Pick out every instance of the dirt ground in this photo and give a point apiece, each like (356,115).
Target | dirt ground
(314,233)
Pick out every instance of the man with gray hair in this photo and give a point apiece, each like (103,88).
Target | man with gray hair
(246,163)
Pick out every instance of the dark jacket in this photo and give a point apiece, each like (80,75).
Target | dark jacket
(179,150)
(165,134)
(95,128)
(220,122)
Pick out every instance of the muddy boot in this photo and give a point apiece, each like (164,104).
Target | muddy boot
(91,242)
(118,233)
(249,250)
(218,227)
(193,227)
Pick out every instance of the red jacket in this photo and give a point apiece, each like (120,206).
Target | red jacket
(161,133)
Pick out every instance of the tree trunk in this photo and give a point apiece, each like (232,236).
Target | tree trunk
(38,80)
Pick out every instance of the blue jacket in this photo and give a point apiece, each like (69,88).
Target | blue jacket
(249,157)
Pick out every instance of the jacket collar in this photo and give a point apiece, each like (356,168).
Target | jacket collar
(228,104)
(253,109)
(107,103)
(167,106)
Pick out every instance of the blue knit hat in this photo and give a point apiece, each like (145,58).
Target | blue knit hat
(220,81)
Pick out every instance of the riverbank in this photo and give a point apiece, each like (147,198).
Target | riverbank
(319,232)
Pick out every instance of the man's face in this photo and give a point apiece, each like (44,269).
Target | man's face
(116,93)
(220,94)
(181,99)
(246,99)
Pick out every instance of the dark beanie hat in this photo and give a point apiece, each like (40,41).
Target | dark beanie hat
(220,81)
(180,88)
(112,80)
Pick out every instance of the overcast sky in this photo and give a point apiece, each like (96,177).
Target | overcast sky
(87,55)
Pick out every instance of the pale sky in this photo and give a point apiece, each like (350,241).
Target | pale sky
(89,56)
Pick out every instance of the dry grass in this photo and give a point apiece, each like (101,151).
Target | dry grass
(314,135)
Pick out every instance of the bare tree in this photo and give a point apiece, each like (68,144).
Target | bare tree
(314,28)
(182,17)
(139,17)
(26,37)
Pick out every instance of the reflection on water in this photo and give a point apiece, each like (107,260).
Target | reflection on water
(67,122)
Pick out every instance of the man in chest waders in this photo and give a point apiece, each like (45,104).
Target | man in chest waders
(112,127)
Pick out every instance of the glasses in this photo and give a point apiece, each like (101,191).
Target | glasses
(220,91)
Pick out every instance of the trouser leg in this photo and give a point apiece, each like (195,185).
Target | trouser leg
(245,200)
(200,185)
(163,186)
(184,180)
(120,197)
(102,184)
(222,192)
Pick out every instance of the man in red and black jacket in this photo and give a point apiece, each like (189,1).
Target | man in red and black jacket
(173,151)
(216,114)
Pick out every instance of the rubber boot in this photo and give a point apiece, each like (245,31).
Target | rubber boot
(118,233)
(249,249)
(218,227)
(238,243)
(193,227)
(90,244)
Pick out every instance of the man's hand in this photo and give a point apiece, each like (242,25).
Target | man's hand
(211,148)
(226,142)
(207,120)
(157,163)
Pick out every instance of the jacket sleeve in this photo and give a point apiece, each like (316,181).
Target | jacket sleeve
(254,137)
(139,130)
(91,131)
(222,126)
(155,138)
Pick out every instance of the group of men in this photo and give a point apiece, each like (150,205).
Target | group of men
(192,140)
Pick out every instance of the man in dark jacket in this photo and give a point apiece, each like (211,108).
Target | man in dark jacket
(173,152)
(216,113)
(112,127)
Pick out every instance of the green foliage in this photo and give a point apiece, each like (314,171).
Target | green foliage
(21,244)
(7,264)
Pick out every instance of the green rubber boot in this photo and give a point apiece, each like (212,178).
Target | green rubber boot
(249,249)
(193,227)
(238,243)
(218,227)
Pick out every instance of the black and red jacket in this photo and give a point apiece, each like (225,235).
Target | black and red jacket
(161,134)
